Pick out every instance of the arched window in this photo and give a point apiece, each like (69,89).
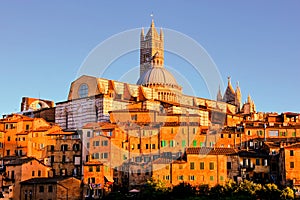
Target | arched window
(64,147)
(76,147)
(83,90)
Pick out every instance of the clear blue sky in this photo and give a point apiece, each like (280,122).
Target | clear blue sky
(43,44)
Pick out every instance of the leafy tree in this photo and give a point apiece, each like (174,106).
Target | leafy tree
(154,190)
(287,193)
(183,190)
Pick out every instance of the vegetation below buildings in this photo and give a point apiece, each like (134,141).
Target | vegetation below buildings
(230,191)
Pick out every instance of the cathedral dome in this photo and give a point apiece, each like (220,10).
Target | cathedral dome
(157,76)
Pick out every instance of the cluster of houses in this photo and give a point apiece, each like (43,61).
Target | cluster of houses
(109,135)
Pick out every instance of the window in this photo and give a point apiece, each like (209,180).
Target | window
(83,90)
(202,165)
(50,188)
(192,178)
(273,133)
(194,143)
(163,143)
(291,152)
(172,130)
(292,165)
(194,131)
(171,143)
(12,174)
(138,172)
(180,166)
(41,189)
(27,127)
(249,132)
(257,161)
(104,155)
(39,173)
(64,147)
(98,168)
(153,146)
(211,166)
(147,146)
(294,134)
(90,168)
(52,148)
(88,134)
(95,156)
(183,143)
(180,177)
(105,143)
(221,178)
(76,147)
(96,143)
(229,135)
(8,138)
(8,152)
(192,165)
(228,165)
(138,159)
(182,130)
(88,145)
(93,179)
(222,136)
(134,117)
(63,159)
(32,173)
(237,135)
(110,133)
(211,178)
(146,158)
(167,177)
(202,144)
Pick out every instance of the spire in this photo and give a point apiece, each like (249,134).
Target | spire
(161,34)
(249,100)
(142,33)
(229,95)
(152,24)
(229,84)
(152,32)
(219,95)
(238,97)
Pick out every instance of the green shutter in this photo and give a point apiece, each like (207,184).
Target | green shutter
(194,143)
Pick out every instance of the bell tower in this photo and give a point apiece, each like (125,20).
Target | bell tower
(151,49)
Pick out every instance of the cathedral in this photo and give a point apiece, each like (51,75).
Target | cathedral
(156,89)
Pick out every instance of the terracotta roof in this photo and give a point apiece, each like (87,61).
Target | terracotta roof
(17,118)
(272,145)
(93,163)
(45,180)
(162,161)
(20,161)
(61,133)
(297,145)
(253,154)
(210,151)
(102,125)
